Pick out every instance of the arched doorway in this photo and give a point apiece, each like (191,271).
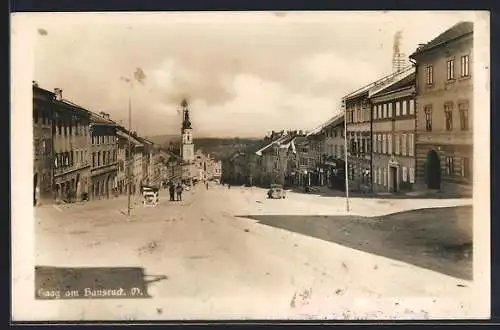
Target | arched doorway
(78,187)
(35,185)
(107,186)
(433,170)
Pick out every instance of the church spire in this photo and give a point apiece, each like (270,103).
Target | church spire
(186,123)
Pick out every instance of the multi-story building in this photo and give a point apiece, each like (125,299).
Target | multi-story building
(125,160)
(333,161)
(316,150)
(359,130)
(217,170)
(43,103)
(394,135)
(444,99)
(358,115)
(303,162)
(70,139)
(104,156)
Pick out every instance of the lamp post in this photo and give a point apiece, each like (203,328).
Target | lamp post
(346,175)
(129,147)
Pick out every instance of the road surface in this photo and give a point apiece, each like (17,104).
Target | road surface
(219,260)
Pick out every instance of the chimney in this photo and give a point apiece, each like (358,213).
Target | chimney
(58,94)
(35,84)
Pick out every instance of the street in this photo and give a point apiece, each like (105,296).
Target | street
(233,254)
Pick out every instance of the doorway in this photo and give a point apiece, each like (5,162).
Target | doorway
(35,185)
(433,170)
(394,178)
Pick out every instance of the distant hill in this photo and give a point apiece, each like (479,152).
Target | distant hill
(219,148)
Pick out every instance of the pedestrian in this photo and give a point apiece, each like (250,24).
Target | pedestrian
(171,190)
(207,185)
(179,190)
(228,186)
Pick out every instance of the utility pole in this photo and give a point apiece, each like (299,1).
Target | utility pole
(129,179)
(346,174)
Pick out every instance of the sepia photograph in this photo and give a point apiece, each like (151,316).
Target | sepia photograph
(294,165)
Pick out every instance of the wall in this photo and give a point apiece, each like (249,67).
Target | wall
(456,144)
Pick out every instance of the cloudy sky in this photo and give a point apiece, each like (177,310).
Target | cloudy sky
(243,73)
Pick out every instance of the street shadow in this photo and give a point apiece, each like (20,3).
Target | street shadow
(333,192)
(439,239)
(92,282)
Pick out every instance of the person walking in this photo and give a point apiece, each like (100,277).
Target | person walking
(171,190)
(179,190)
(207,184)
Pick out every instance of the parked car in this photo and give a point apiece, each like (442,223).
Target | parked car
(276,192)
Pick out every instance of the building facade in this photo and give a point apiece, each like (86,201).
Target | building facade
(43,102)
(333,157)
(393,137)
(359,131)
(444,110)
(125,160)
(104,157)
(359,123)
(71,149)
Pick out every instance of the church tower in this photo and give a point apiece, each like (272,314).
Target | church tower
(187,149)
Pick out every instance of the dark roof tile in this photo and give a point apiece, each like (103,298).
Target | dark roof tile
(456,31)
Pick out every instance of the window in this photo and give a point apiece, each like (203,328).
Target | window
(412,175)
(93,159)
(385,110)
(463,108)
(448,114)
(374,112)
(449,165)
(404,107)
(379,175)
(36,147)
(384,171)
(396,136)
(403,144)
(464,66)
(411,144)
(384,146)
(379,137)
(465,167)
(398,109)
(428,118)
(450,69)
(405,174)
(379,109)
(429,75)
(375,175)
(412,107)
(375,143)
(390,109)
(389,144)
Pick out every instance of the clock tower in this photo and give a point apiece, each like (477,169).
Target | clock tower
(187,149)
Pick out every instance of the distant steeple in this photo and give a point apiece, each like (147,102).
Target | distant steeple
(186,123)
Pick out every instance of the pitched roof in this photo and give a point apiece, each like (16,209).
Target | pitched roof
(404,82)
(379,84)
(337,119)
(277,141)
(456,31)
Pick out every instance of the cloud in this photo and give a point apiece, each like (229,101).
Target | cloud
(244,73)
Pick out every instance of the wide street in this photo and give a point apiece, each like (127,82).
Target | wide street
(233,254)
